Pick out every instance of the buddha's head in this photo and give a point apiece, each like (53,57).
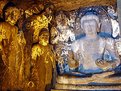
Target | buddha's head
(90,24)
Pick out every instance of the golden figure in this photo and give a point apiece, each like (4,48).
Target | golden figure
(43,61)
(7,29)
(12,45)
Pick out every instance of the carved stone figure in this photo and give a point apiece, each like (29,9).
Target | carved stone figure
(12,46)
(43,61)
(94,53)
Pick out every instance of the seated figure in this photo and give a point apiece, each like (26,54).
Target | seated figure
(94,53)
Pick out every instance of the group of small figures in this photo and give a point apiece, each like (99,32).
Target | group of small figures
(25,46)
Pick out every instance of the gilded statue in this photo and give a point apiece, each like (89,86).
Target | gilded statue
(94,53)
(12,46)
(43,61)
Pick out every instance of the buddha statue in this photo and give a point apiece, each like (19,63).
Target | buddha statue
(92,58)
(94,53)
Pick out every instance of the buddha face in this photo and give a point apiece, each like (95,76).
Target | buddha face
(90,27)
(12,14)
(90,24)
(44,38)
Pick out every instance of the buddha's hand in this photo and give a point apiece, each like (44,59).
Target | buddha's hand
(105,64)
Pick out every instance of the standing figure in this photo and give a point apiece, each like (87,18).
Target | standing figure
(43,61)
(11,52)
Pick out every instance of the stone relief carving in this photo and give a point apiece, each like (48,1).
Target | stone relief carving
(37,44)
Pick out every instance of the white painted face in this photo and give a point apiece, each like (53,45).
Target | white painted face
(90,27)
(90,24)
